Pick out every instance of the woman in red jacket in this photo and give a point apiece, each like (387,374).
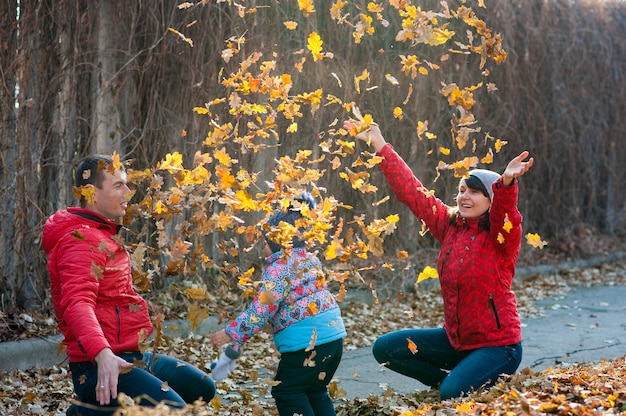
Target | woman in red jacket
(102,318)
(480,241)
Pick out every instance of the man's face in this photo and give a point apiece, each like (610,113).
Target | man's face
(110,200)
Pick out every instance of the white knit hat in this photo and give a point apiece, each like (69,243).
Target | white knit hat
(487,177)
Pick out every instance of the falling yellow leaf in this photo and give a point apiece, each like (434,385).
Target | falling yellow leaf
(291,25)
(183,37)
(173,162)
(392,80)
(197,293)
(267,298)
(535,240)
(306,7)
(312,308)
(427,273)
(314,44)
(507,224)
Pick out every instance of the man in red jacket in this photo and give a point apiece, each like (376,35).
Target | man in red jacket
(102,318)
(480,240)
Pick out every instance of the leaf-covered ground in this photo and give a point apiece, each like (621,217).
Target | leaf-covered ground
(582,389)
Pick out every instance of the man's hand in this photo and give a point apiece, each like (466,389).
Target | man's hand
(109,366)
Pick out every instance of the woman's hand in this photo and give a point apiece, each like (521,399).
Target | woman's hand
(371,135)
(109,368)
(219,338)
(516,168)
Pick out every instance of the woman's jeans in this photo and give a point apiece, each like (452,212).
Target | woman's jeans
(438,365)
(304,377)
(185,383)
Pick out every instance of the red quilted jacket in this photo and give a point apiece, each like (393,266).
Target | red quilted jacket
(476,266)
(90,279)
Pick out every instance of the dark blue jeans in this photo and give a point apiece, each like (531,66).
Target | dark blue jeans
(303,387)
(438,365)
(186,383)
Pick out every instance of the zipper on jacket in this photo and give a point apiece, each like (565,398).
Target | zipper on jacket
(495,311)
(119,324)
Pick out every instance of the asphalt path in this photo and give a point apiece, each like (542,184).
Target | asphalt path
(588,324)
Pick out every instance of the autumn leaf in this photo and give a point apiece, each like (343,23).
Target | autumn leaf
(412,346)
(314,44)
(173,162)
(196,314)
(427,273)
(116,164)
(267,298)
(183,37)
(535,241)
(507,224)
(306,7)
(244,279)
(290,25)
(97,271)
(196,293)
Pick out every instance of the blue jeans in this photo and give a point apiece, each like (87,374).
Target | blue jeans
(186,383)
(438,365)
(303,388)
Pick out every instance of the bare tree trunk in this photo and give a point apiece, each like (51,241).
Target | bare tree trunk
(106,117)
(8,81)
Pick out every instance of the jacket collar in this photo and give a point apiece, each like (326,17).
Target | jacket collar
(95,217)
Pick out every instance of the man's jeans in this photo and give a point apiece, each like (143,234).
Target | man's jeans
(185,383)
(438,365)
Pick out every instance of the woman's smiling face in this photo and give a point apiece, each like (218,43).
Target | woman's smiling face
(472,203)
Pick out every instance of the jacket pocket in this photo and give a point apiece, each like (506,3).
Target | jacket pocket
(119,323)
(492,303)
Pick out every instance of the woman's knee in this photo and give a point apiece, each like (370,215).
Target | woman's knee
(379,350)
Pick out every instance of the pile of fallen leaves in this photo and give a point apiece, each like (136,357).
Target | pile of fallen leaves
(581,389)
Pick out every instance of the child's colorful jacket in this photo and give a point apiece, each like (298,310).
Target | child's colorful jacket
(294,299)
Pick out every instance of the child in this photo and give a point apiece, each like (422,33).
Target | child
(305,319)
(480,240)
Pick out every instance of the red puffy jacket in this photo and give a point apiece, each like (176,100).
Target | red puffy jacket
(476,266)
(90,279)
